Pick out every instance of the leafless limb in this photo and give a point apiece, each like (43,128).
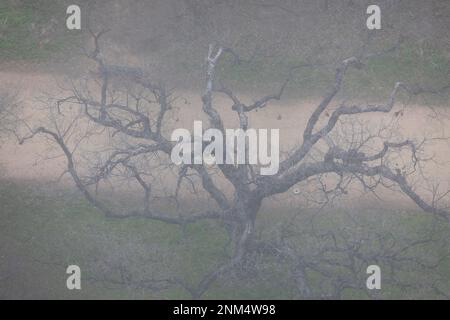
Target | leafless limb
(136,121)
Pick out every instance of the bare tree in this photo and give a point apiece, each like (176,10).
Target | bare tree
(135,115)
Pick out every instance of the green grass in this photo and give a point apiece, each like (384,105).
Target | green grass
(423,63)
(22,35)
(43,231)
(412,63)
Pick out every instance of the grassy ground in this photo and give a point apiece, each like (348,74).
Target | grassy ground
(42,233)
(34,31)
(424,66)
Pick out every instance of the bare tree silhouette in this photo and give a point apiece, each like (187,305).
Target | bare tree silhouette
(133,113)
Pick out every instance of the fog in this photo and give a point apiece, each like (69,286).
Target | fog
(86,170)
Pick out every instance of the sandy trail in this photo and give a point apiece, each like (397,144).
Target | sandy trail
(25,162)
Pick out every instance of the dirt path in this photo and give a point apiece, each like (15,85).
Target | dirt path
(414,122)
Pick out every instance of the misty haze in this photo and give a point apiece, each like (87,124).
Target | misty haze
(351,202)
